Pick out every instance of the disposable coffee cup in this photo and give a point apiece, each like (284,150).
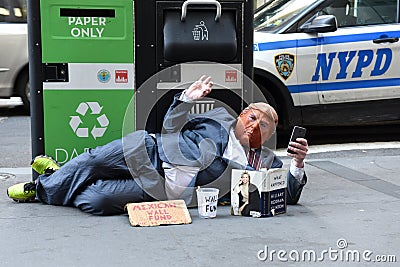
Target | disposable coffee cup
(207,200)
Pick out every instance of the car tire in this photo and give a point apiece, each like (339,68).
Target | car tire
(265,96)
(23,90)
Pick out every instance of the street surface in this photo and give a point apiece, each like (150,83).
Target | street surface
(348,215)
(15,135)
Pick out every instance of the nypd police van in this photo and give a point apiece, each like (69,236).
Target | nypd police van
(329,62)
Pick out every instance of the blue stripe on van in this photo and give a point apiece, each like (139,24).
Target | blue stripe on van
(325,40)
(302,88)
(287,44)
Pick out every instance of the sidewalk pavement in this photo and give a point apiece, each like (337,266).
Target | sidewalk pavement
(349,208)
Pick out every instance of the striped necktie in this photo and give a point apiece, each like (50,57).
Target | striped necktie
(254,159)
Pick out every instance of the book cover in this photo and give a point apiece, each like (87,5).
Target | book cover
(273,192)
(258,193)
(245,191)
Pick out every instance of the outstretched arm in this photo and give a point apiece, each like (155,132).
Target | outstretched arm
(294,188)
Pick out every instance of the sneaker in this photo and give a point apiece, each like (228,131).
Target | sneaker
(22,192)
(44,164)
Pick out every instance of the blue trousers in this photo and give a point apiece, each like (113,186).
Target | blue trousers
(103,180)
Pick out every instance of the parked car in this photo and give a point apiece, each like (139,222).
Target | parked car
(14,74)
(329,62)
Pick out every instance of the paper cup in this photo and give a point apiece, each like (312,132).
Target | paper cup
(207,200)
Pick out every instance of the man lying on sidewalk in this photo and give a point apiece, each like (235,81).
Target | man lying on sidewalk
(193,150)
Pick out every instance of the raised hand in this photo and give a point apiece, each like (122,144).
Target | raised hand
(301,149)
(200,88)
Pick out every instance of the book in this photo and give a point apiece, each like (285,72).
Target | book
(273,193)
(258,193)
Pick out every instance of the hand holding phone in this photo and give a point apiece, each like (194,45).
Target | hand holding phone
(298,132)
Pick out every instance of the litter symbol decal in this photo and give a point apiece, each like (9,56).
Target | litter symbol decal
(200,32)
(82,110)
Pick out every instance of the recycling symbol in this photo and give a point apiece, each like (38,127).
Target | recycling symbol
(82,110)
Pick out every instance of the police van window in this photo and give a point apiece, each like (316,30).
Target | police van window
(278,13)
(266,11)
(362,12)
(376,12)
(4,11)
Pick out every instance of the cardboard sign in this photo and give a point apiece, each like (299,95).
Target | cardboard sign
(158,213)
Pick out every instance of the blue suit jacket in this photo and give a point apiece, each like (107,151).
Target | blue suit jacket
(200,140)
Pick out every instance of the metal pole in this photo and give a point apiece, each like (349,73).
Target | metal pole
(35,79)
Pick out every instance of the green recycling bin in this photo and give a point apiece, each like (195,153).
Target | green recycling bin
(82,73)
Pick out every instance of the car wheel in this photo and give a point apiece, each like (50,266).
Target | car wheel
(266,95)
(23,90)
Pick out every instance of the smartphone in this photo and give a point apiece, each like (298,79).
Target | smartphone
(298,132)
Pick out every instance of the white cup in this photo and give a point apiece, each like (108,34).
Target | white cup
(207,200)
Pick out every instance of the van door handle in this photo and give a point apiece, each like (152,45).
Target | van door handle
(386,40)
